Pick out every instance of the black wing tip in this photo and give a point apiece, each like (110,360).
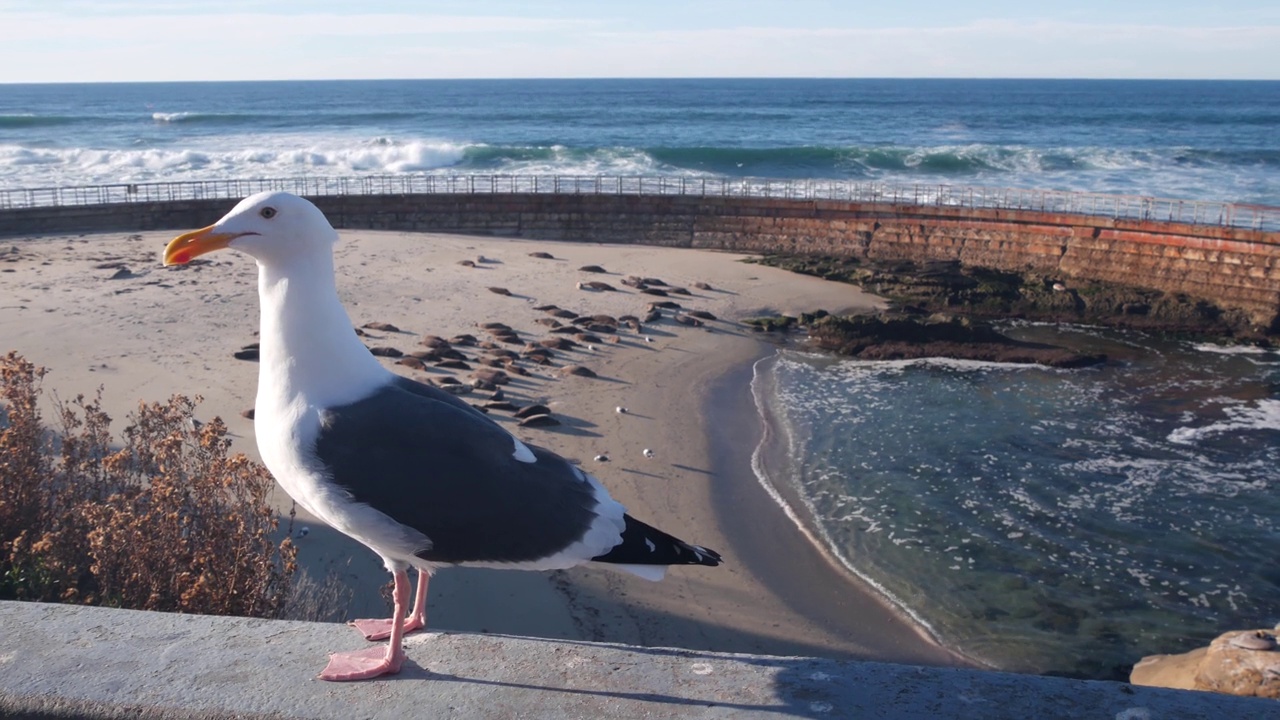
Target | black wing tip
(703,556)
(645,545)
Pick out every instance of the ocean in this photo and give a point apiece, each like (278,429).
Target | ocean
(1197,140)
(1037,520)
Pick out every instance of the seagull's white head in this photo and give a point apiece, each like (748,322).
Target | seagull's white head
(272,227)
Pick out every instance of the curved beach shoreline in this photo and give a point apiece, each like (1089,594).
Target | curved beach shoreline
(152,332)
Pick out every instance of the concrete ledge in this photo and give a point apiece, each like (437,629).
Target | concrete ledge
(68,661)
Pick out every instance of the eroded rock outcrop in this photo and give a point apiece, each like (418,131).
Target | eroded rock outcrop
(1237,663)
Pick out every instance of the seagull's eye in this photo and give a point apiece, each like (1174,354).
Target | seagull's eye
(267,212)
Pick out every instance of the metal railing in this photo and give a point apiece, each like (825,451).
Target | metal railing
(1195,212)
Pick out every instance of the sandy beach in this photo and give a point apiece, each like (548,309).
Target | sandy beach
(99,310)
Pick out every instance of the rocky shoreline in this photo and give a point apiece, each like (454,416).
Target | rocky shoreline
(923,289)
(945,309)
(903,336)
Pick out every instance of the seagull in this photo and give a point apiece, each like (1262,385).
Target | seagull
(412,472)
(620,410)
(647,453)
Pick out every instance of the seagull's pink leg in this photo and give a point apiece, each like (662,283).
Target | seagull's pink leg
(372,662)
(381,629)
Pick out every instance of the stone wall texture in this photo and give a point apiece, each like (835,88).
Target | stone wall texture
(1231,267)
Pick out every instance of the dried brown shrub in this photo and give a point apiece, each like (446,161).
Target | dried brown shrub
(170,521)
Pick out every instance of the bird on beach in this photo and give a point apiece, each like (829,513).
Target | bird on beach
(412,472)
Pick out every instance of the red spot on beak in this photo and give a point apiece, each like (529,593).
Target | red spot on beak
(182,258)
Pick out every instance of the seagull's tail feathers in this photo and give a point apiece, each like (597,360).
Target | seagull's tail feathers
(644,550)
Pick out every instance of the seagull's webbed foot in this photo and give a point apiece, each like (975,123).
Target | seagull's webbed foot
(374,662)
(363,664)
(379,629)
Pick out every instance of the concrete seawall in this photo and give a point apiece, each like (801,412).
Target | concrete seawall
(66,661)
(1231,267)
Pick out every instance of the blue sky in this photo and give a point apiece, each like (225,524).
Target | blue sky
(131,40)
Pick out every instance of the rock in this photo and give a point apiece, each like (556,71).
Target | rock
(382,326)
(500,291)
(532,410)
(578,370)
(1239,662)
(898,337)
(384,351)
(121,274)
(539,421)
(542,255)
(592,269)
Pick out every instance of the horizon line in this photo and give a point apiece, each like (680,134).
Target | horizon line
(649,78)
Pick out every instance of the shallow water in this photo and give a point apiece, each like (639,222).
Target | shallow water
(1041,520)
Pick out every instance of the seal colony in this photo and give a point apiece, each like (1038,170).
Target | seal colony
(412,472)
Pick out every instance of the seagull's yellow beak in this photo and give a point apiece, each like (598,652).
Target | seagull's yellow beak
(185,248)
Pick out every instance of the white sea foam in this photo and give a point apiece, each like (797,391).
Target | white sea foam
(170,117)
(1232,349)
(248,157)
(1265,415)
